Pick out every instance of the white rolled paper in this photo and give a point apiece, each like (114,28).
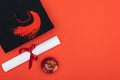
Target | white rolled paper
(23,57)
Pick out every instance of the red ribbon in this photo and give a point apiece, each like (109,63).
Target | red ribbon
(32,56)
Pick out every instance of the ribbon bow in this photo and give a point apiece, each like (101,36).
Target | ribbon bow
(32,56)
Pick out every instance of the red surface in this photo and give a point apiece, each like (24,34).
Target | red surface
(90,34)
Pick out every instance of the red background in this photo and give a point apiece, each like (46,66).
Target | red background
(90,34)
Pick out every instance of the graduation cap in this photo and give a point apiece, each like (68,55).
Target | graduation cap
(21,21)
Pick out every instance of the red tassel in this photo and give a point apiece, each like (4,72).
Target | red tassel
(31,30)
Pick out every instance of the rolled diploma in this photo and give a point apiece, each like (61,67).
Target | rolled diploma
(23,57)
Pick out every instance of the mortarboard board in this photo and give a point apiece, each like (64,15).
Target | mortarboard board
(21,21)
